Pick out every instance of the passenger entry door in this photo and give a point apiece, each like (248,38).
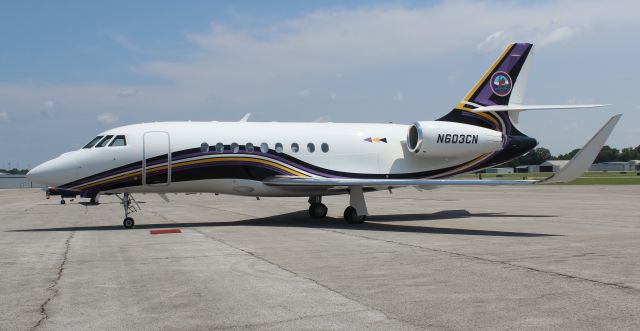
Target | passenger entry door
(156,160)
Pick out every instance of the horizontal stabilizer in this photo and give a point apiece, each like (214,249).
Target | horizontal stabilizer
(585,157)
(519,108)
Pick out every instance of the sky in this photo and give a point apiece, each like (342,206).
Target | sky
(71,69)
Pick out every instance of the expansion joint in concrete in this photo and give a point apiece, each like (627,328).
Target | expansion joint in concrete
(478,258)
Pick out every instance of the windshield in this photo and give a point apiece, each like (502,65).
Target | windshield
(104,141)
(92,142)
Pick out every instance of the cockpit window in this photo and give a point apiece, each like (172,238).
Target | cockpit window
(104,141)
(93,142)
(121,141)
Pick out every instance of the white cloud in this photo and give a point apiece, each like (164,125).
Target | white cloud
(398,96)
(107,118)
(304,93)
(48,108)
(4,116)
(260,66)
(557,35)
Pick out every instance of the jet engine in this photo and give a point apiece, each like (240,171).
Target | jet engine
(449,139)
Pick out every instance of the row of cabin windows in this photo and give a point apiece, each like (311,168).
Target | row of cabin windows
(102,141)
(264,147)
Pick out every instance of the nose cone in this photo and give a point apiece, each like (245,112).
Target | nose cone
(54,172)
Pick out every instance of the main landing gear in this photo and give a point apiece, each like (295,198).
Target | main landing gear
(316,208)
(130,206)
(356,213)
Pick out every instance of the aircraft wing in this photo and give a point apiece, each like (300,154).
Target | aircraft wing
(347,182)
(572,170)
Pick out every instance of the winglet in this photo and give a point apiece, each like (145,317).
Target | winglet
(585,157)
(245,118)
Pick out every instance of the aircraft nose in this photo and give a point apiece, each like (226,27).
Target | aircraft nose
(53,172)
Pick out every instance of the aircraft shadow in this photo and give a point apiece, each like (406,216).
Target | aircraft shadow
(446,214)
(300,219)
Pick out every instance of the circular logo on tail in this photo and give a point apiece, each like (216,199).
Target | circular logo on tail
(501,83)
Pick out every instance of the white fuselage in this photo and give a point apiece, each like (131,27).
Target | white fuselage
(323,149)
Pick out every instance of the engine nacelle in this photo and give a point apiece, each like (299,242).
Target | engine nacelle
(450,139)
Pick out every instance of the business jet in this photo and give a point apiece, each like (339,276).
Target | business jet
(318,159)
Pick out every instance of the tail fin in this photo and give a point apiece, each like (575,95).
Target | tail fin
(496,100)
(503,84)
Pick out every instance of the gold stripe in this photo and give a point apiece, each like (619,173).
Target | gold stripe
(177,165)
(109,180)
(506,51)
(472,162)
(221,159)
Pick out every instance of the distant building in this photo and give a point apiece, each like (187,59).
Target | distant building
(498,171)
(552,165)
(612,166)
(527,168)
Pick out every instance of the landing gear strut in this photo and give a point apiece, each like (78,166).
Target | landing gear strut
(316,208)
(130,206)
(357,212)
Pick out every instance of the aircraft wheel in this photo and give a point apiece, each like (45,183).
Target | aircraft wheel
(352,217)
(93,201)
(62,202)
(128,223)
(318,210)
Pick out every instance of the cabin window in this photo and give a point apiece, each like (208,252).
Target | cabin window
(118,141)
(93,142)
(311,147)
(204,147)
(249,147)
(279,148)
(235,148)
(295,148)
(219,147)
(324,147)
(104,141)
(264,148)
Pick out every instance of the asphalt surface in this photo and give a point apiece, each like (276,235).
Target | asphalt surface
(551,257)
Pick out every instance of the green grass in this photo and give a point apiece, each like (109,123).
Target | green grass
(588,178)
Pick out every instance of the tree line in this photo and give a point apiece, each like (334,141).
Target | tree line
(14,171)
(607,154)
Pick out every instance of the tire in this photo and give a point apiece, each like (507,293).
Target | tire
(62,202)
(128,223)
(318,210)
(352,217)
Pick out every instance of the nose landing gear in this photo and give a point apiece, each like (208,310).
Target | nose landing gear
(130,206)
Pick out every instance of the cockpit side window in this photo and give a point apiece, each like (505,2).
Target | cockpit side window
(104,141)
(120,141)
(93,142)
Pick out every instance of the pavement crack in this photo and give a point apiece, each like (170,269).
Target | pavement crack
(53,288)
(483,259)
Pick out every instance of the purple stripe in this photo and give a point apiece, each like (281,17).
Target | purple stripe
(511,59)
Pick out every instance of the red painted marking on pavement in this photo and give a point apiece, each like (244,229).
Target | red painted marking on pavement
(165,231)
